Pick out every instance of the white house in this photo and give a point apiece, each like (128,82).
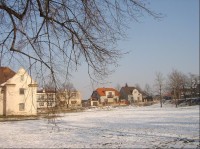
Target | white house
(17,93)
(46,98)
(131,94)
(104,96)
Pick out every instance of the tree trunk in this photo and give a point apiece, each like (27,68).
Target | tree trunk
(161,102)
(160,98)
(176,103)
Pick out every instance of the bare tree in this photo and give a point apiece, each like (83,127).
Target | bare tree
(148,90)
(51,36)
(185,85)
(176,83)
(66,92)
(159,84)
(193,82)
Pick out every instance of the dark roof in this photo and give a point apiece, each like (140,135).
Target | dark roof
(128,90)
(5,74)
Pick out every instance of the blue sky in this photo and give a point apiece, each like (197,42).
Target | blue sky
(155,46)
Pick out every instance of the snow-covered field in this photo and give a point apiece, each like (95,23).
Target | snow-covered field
(122,127)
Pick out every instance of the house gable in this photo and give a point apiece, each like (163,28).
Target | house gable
(130,93)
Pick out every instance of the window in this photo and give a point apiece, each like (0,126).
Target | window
(21,107)
(95,103)
(73,95)
(73,102)
(2,91)
(50,97)
(41,104)
(106,100)
(42,97)
(21,91)
(49,104)
(110,95)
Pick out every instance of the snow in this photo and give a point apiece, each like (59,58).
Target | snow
(121,127)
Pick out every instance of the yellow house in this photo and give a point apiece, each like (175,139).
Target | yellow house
(17,93)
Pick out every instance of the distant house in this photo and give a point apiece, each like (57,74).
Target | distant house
(93,101)
(46,98)
(69,99)
(166,96)
(104,96)
(131,94)
(17,93)
(85,103)
(147,98)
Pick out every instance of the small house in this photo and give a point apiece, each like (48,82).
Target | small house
(130,94)
(104,96)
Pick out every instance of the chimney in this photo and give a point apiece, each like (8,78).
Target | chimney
(126,85)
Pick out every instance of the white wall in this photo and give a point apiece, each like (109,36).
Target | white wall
(137,96)
(13,97)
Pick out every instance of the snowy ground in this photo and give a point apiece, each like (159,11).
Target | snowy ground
(122,127)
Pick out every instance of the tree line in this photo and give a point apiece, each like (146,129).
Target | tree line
(176,83)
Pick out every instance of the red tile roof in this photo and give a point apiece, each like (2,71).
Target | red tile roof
(102,91)
(5,74)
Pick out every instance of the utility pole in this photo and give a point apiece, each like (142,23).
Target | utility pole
(160,97)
